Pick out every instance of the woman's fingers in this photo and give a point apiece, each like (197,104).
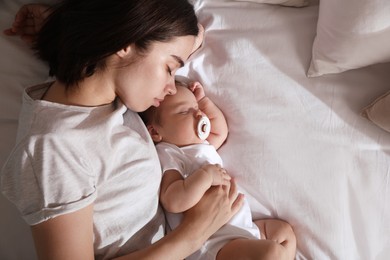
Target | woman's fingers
(9,32)
(27,29)
(237,203)
(28,21)
(237,199)
(233,192)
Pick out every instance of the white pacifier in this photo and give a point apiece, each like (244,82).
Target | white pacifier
(203,128)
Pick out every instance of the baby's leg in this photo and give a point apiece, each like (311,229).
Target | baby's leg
(279,231)
(278,242)
(253,249)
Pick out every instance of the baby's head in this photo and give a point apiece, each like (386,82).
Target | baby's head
(176,119)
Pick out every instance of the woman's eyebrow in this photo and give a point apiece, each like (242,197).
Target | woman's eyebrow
(179,60)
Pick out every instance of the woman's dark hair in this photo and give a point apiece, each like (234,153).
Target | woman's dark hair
(79,34)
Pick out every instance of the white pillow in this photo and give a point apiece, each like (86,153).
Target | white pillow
(294,3)
(378,112)
(350,34)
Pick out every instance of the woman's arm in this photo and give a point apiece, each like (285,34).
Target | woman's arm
(69,236)
(219,128)
(178,194)
(215,208)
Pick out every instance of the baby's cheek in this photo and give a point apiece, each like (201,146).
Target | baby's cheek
(188,134)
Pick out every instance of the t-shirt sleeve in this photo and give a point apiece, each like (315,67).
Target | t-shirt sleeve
(47,178)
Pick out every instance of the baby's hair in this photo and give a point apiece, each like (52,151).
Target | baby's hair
(150,116)
(180,83)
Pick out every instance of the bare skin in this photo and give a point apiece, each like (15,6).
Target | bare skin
(278,242)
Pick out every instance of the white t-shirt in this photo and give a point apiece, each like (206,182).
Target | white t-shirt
(68,157)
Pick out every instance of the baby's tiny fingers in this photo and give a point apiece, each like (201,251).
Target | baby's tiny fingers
(227,176)
(224,172)
(225,183)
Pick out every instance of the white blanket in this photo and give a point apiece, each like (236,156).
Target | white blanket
(298,146)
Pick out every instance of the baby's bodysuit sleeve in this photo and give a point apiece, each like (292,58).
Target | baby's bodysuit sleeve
(171,158)
(47,178)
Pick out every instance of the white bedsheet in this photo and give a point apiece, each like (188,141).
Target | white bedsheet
(297,145)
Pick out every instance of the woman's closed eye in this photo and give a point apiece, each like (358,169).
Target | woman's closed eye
(169,70)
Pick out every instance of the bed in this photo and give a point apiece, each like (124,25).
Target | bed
(309,136)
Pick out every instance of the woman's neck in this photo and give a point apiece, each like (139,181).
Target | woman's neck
(92,91)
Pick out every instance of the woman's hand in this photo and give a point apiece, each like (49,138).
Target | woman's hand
(216,208)
(28,22)
(218,205)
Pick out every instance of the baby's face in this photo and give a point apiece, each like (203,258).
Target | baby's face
(179,116)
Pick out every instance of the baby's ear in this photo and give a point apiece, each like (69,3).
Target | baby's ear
(156,137)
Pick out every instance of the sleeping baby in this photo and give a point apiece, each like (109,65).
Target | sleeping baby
(187,129)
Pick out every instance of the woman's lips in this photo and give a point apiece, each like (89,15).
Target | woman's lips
(157,102)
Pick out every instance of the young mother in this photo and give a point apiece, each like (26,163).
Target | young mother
(84,173)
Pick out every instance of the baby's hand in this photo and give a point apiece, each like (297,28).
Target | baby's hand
(218,174)
(197,89)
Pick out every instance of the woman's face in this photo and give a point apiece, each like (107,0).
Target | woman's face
(147,80)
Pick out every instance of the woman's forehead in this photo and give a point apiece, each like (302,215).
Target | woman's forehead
(178,49)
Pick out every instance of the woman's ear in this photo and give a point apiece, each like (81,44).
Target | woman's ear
(125,52)
(156,137)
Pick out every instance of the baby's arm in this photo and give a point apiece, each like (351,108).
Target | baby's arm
(219,128)
(178,194)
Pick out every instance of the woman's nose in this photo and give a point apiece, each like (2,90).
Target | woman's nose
(171,88)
